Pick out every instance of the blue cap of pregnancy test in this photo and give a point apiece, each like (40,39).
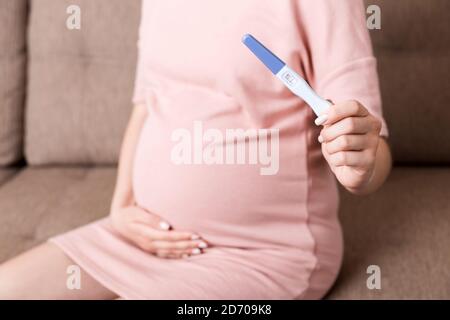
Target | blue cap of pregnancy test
(271,61)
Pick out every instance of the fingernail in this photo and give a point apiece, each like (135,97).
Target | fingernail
(320,139)
(202,245)
(185,255)
(164,225)
(195,237)
(321,119)
(196,251)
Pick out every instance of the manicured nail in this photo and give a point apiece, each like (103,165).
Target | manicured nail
(321,119)
(202,245)
(185,255)
(320,139)
(195,237)
(196,251)
(164,225)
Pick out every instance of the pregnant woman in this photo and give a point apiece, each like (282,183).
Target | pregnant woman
(199,229)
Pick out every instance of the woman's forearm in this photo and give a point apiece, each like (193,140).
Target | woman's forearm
(123,193)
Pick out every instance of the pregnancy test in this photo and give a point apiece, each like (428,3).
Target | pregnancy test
(289,77)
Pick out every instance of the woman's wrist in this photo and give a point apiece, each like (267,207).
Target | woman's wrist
(380,171)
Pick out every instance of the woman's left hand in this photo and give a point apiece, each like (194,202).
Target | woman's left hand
(349,139)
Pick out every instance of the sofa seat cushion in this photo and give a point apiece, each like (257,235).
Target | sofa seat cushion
(38,203)
(6,174)
(404,229)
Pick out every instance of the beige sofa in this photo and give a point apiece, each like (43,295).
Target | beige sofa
(65,99)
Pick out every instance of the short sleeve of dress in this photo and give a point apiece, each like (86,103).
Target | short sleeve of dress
(340,52)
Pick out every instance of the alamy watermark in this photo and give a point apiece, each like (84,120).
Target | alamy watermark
(374,280)
(73,21)
(374,19)
(226,147)
(73,281)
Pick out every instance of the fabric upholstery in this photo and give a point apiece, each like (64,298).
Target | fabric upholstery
(404,229)
(40,202)
(13,15)
(6,174)
(413,51)
(80,82)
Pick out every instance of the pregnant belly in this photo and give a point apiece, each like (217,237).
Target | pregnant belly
(226,203)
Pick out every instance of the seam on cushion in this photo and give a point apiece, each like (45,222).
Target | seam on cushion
(345,67)
(95,272)
(307,193)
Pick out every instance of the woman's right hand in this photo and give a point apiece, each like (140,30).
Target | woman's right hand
(152,234)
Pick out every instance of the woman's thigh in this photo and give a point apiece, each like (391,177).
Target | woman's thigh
(42,273)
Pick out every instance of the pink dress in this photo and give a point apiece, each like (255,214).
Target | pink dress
(273,236)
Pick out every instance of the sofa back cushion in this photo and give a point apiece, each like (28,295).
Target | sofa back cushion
(413,51)
(80,82)
(13,16)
